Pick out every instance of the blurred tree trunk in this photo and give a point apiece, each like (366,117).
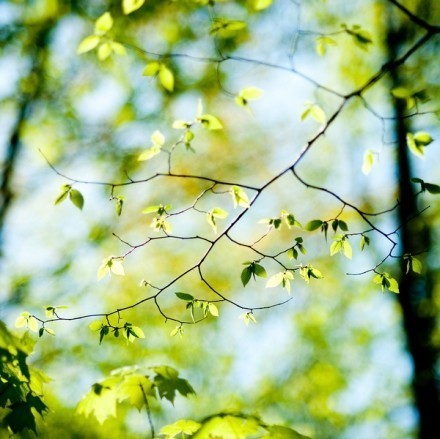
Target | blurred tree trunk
(416,292)
(30,89)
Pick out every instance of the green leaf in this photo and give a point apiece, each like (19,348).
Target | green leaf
(280,432)
(76,198)
(157,138)
(343,225)
(259,270)
(213,310)
(149,153)
(223,27)
(313,225)
(152,69)
(210,122)
(100,401)
(103,24)
(315,111)
(417,142)
(104,51)
(347,250)
(432,188)
(322,43)
(65,189)
(248,317)
(246,275)
(365,240)
(219,213)
(129,6)
(136,388)
(368,161)
(168,383)
(239,197)
(180,428)
(260,5)
(118,48)
(96,325)
(88,44)
(166,78)
(275,280)
(185,296)
(152,209)
(119,205)
(228,427)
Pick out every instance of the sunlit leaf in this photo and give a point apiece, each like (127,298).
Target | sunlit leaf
(213,310)
(129,6)
(180,428)
(368,162)
(76,198)
(239,197)
(166,78)
(210,122)
(88,44)
(103,24)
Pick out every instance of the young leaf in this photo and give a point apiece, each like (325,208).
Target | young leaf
(185,296)
(313,225)
(368,161)
(239,197)
(65,189)
(129,6)
(315,111)
(166,78)
(88,44)
(322,43)
(180,428)
(210,122)
(104,51)
(246,275)
(432,188)
(152,69)
(275,280)
(149,153)
(247,317)
(103,24)
(76,198)
(259,270)
(365,240)
(213,310)
(260,5)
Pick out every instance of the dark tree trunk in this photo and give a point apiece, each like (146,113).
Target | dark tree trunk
(416,291)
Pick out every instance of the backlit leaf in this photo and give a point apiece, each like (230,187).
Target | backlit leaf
(129,6)
(88,44)
(103,24)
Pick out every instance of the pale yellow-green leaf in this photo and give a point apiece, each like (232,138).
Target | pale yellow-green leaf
(117,268)
(151,69)
(181,124)
(275,280)
(368,161)
(103,24)
(96,325)
(118,48)
(166,78)
(219,213)
(149,153)
(416,265)
(104,51)
(250,93)
(260,5)
(210,122)
(87,44)
(322,43)
(32,324)
(239,197)
(129,6)
(100,401)
(158,138)
(21,321)
(394,286)
(347,250)
(103,269)
(213,309)
(181,427)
